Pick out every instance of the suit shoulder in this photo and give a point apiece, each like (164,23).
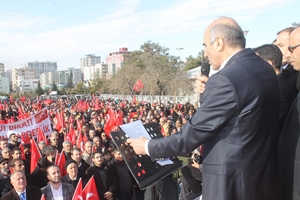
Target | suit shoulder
(47,187)
(32,188)
(67,185)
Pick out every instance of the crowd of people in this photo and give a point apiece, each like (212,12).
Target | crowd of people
(248,124)
(98,156)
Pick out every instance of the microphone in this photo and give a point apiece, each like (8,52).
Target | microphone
(205,68)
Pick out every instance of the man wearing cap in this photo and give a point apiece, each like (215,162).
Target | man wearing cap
(4,168)
(21,190)
(13,141)
(16,164)
(72,175)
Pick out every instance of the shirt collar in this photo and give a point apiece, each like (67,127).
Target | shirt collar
(19,193)
(226,61)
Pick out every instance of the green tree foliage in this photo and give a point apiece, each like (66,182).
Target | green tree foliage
(69,84)
(192,62)
(54,87)
(39,90)
(158,71)
(80,88)
(96,84)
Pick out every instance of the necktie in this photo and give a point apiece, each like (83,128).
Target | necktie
(22,196)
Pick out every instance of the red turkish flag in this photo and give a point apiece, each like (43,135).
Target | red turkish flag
(71,135)
(35,155)
(41,136)
(138,85)
(80,142)
(78,191)
(61,163)
(59,121)
(43,197)
(111,122)
(90,190)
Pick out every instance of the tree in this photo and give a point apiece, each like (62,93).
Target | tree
(96,84)
(39,90)
(80,88)
(70,84)
(158,70)
(54,86)
(296,24)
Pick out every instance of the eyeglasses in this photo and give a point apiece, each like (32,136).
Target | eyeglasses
(292,48)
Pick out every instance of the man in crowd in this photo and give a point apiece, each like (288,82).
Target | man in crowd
(16,153)
(125,181)
(3,143)
(55,188)
(86,156)
(272,54)
(55,141)
(72,175)
(105,179)
(13,141)
(76,156)
(67,146)
(289,143)
(16,164)
(21,190)
(235,122)
(4,168)
(6,153)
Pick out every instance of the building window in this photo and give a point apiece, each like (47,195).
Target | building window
(114,68)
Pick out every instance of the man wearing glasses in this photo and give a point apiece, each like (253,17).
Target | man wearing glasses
(289,143)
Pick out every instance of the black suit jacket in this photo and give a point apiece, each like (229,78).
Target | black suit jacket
(289,155)
(236,124)
(6,186)
(32,193)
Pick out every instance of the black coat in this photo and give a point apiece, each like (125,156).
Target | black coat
(111,180)
(32,193)
(237,124)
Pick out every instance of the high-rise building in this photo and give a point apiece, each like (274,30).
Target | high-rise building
(2,70)
(4,85)
(89,60)
(42,67)
(115,60)
(47,79)
(95,71)
(24,73)
(62,76)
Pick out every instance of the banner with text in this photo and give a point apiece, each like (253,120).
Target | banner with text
(30,125)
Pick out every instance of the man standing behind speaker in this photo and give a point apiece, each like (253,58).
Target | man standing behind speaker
(236,122)
(289,143)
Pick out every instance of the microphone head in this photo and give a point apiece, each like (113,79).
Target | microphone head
(205,68)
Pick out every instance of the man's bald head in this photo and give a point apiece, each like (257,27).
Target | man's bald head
(222,38)
(229,30)
(294,49)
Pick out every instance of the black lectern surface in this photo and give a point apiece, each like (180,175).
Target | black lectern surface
(145,172)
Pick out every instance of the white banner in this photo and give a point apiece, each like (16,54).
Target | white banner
(30,125)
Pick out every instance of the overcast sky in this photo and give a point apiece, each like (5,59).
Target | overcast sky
(63,31)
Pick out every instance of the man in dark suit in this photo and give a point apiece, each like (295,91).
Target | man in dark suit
(289,143)
(62,190)
(236,122)
(272,54)
(21,191)
(106,181)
